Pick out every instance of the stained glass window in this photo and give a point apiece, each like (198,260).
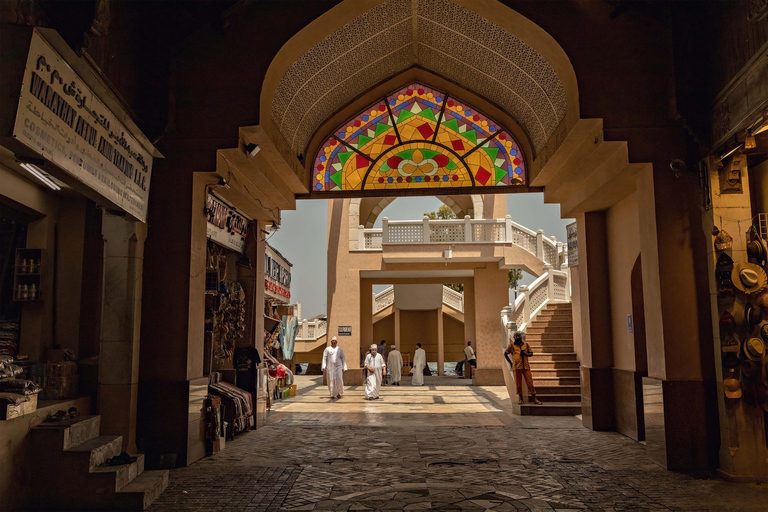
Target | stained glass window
(418,137)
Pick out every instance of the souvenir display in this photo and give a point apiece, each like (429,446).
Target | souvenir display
(723,241)
(757,251)
(749,278)
(754,349)
(732,388)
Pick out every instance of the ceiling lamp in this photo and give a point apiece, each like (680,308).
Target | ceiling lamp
(40,175)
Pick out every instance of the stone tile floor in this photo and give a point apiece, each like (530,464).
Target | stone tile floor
(436,448)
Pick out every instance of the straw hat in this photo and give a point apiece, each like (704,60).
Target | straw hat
(748,277)
(757,250)
(732,388)
(747,315)
(754,349)
(723,241)
(764,332)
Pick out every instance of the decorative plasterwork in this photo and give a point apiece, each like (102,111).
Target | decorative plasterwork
(438,35)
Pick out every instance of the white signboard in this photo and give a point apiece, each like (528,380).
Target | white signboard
(226,226)
(573,245)
(62,119)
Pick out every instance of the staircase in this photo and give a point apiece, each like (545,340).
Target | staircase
(70,472)
(554,365)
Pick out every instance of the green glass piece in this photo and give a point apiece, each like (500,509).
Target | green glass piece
(343,157)
(381,128)
(471,136)
(404,114)
(363,140)
(492,152)
(452,124)
(336,178)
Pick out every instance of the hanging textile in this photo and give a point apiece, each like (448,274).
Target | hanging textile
(289,327)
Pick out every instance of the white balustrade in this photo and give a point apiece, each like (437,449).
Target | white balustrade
(312,329)
(453,299)
(553,286)
(462,231)
(383,299)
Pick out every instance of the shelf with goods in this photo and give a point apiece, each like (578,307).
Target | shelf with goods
(27,275)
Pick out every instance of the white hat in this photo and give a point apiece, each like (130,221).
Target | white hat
(374,346)
(394,346)
(334,338)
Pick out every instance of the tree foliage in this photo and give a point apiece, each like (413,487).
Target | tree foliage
(513,276)
(442,213)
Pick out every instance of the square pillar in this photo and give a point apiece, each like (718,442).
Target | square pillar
(397,327)
(120,333)
(440,343)
(491,294)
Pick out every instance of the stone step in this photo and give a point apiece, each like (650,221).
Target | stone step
(142,491)
(549,330)
(558,305)
(559,398)
(549,336)
(554,357)
(96,451)
(120,476)
(555,322)
(549,313)
(550,409)
(557,365)
(555,372)
(556,381)
(549,389)
(63,435)
(551,349)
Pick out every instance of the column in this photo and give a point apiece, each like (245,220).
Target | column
(121,320)
(440,343)
(491,294)
(397,327)
(597,347)
(680,390)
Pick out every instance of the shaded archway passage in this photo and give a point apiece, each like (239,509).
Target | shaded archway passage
(454,449)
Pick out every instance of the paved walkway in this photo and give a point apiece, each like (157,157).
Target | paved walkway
(438,448)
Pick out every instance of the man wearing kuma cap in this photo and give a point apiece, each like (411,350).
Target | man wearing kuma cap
(376,368)
(334,365)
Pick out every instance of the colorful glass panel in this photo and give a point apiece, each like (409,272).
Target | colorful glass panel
(418,137)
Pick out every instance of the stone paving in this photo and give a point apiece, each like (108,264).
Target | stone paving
(436,448)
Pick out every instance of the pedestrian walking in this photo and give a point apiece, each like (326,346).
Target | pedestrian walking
(377,369)
(419,362)
(334,365)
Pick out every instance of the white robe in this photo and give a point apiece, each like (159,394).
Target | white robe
(373,380)
(395,364)
(419,362)
(334,364)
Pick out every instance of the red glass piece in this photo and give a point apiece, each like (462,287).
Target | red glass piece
(441,160)
(361,161)
(425,130)
(389,140)
(394,162)
(482,175)
(457,145)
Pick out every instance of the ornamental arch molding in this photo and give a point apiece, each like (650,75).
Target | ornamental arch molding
(337,64)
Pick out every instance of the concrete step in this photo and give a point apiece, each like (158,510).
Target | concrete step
(554,322)
(559,398)
(559,306)
(552,349)
(550,389)
(542,357)
(555,365)
(536,336)
(550,409)
(63,435)
(556,381)
(549,313)
(549,330)
(96,451)
(141,492)
(555,372)
(120,476)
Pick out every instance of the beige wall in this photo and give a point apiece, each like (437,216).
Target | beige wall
(623,250)
(453,339)
(419,327)
(384,329)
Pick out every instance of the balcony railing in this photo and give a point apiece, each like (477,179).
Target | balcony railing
(552,286)
(312,329)
(462,231)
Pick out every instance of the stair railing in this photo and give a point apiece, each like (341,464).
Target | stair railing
(553,286)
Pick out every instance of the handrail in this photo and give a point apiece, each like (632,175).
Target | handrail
(461,231)
(553,286)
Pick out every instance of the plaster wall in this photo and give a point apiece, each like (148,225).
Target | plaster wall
(419,327)
(384,329)
(623,249)
(453,339)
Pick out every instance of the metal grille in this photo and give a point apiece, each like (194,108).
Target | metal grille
(762,225)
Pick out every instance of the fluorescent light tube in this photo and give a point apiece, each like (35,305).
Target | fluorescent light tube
(40,175)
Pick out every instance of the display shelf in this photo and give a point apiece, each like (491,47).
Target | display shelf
(27,276)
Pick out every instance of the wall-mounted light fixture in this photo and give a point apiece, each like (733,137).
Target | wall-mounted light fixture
(749,141)
(40,175)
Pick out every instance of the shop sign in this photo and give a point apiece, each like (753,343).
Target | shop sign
(277,289)
(61,118)
(573,245)
(345,330)
(226,226)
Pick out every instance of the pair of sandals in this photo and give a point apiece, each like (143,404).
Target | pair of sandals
(535,402)
(119,460)
(71,414)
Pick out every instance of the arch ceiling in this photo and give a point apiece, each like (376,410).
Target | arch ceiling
(418,137)
(441,36)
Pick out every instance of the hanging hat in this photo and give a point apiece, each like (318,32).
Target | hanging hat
(764,332)
(726,293)
(757,251)
(749,278)
(762,302)
(754,349)
(731,343)
(727,322)
(749,369)
(752,316)
(723,268)
(731,360)
(723,241)
(762,396)
(732,388)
